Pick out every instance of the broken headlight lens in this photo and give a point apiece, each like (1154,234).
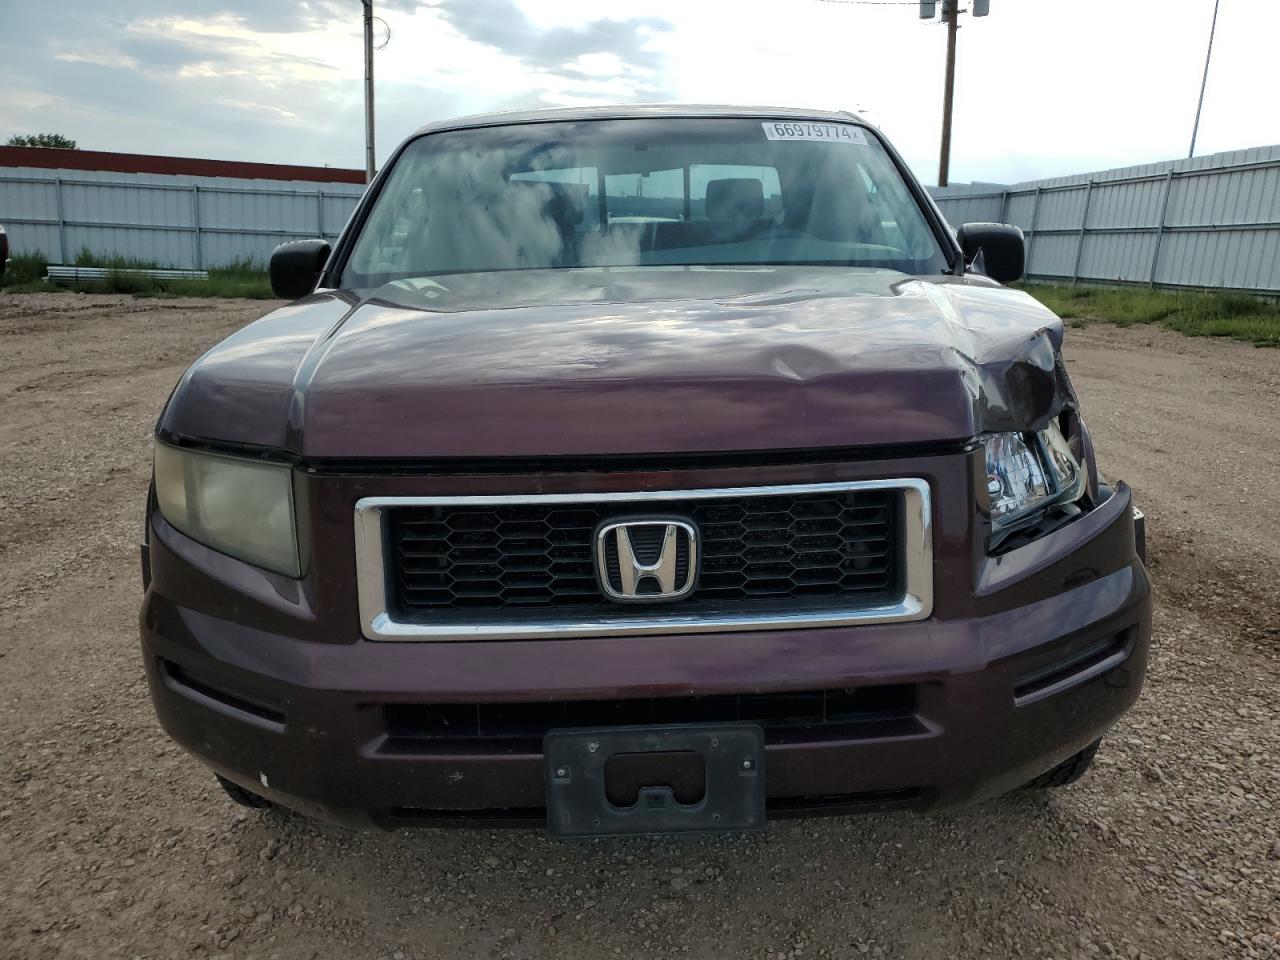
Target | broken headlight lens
(1027,472)
(239,507)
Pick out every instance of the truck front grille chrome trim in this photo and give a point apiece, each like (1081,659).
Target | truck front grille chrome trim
(378,623)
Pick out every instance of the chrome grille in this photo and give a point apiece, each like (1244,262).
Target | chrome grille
(754,550)
(521,566)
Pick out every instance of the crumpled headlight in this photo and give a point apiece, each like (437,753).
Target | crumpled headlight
(240,507)
(1028,472)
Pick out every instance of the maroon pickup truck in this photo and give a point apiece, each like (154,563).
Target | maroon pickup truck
(640,470)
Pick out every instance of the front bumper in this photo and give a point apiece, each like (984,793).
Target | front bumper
(997,698)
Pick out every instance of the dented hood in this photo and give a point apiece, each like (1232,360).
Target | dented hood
(596,362)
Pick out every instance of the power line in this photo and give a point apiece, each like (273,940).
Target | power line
(1204,81)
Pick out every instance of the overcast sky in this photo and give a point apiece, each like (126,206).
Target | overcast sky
(1043,88)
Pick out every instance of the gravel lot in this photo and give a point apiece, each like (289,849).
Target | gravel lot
(115,844)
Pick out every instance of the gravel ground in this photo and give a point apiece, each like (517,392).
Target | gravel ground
(116,844)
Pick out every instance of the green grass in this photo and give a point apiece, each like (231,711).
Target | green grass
(243,278)
(1195,314)
(25,274)
(1235,315)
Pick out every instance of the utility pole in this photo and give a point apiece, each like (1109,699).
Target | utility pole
(1203,81)
(951,15)
(368,90)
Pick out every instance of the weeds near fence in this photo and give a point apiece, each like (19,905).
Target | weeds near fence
(241,278)
(1236,315)
(25,273)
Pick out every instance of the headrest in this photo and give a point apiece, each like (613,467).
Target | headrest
(567,204)
(735,198)
(564,202)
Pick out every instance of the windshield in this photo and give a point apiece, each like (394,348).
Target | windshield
(642,192)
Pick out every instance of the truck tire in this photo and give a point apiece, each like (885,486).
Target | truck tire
(246,798)
(1068,771)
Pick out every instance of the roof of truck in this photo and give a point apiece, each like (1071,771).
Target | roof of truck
(635,111)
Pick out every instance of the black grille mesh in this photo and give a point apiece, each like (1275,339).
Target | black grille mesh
(766,551)
(796,708)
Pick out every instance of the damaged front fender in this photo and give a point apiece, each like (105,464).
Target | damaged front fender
(1023,392)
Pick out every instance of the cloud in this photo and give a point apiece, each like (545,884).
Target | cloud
(164,76)
(271,16)
(282,80)
(98,57)
(160,52)
(569,52)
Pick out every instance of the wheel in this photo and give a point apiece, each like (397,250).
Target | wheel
(1068,771)
(246,798)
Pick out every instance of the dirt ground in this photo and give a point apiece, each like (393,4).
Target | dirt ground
(113,843)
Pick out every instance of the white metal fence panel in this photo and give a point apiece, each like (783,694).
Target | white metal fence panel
(185,222)
(1212,221)
(982,206)
(1209,222)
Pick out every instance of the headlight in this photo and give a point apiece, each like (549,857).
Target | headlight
(243,508)
(1027,472)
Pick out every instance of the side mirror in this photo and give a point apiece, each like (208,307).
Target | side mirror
(4,251)
(296,266)
(1001,246)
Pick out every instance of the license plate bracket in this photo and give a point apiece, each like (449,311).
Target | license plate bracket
(578,805)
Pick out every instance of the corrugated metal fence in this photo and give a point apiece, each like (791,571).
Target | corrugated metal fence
(1208,222)
(188,222)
